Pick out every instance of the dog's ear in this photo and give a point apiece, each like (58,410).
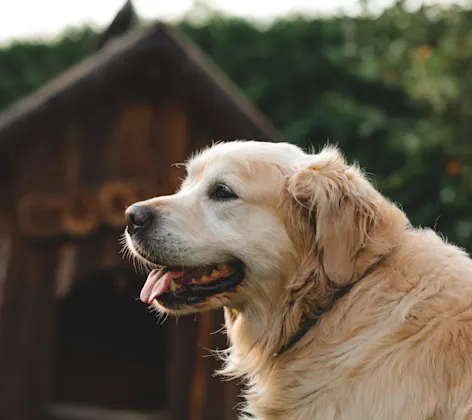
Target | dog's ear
(345,212)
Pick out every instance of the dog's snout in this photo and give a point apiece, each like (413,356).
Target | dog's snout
(138,218)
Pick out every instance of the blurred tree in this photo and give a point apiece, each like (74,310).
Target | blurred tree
(25,66)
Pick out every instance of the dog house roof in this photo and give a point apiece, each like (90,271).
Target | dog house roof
(199,76)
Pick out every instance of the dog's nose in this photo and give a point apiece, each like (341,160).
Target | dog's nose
(138,218)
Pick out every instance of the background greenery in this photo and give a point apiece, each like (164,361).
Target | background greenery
(394,91)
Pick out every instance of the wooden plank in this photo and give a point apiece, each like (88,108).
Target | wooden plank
(67,253)
(26,331)
(199,135)
(215,397)
(27,314)
(95,167)
(40,389)
(171,144)
(5,249)
(199,393)
(182,338)
(66,269)
(129,151)
(6,212)
(95,137)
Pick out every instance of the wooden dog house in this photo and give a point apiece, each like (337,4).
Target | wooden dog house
(74,341)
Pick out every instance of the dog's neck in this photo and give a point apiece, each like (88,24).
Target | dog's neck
(310,322)
(257,339)
(312,319)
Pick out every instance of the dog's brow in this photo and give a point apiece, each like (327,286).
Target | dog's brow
(195,168)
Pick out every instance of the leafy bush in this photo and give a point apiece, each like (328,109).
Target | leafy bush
(25,66)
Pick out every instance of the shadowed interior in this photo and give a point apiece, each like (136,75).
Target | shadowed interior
(110,351)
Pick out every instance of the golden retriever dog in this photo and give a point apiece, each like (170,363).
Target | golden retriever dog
(335,306)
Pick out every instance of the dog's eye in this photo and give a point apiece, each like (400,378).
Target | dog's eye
(221,192)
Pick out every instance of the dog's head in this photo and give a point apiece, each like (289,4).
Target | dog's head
(259,222)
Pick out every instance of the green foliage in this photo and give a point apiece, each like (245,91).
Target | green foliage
(25,66)
(395,92)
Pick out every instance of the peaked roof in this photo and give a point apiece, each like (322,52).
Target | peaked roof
(214,90)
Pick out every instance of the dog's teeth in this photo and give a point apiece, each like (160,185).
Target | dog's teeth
(222,266)
(202,279)
(207,271)
(172,286)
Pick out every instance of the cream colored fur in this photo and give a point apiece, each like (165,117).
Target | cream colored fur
(397,347)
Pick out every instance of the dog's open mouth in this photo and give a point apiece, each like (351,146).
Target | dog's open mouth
(190,286)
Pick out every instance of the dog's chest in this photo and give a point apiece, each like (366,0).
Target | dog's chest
(310,394)
(327,394)
(345,384)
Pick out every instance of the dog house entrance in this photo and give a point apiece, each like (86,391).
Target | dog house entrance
(109,353)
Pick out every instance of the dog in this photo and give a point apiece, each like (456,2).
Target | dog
(336,307)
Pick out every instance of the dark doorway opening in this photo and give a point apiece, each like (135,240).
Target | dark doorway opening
(109,351)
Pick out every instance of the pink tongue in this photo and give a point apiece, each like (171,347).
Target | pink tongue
(157,283)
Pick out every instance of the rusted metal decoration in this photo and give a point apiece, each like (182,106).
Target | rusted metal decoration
(40,215)
(113,198)
(81,213)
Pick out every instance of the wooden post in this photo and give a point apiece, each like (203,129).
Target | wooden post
(25,331)
(172,142)
(200,377)
(27,314)
(181,345)
(129,152)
